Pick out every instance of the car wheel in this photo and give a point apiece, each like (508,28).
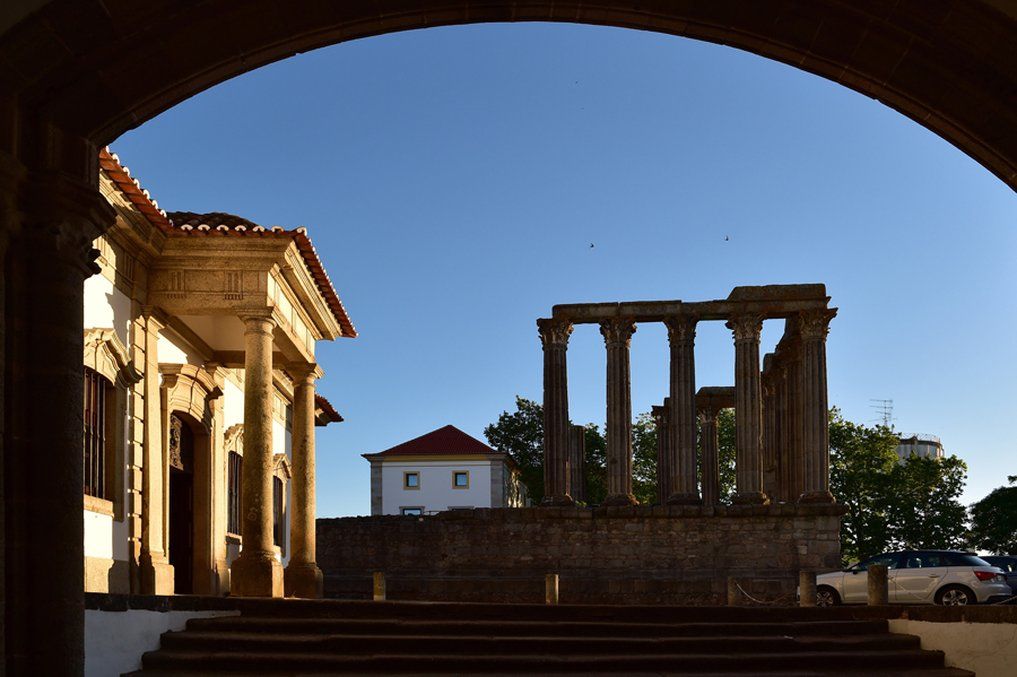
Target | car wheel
(826,596)
(955,595)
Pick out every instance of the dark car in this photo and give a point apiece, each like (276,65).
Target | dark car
(1008,563)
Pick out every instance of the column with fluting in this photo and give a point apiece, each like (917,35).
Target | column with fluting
(257,572)
(661,420)
(814,327)
(681,332)
(709,434)
(577,462)
(748,411)
(554,337)
(617,334)
(302,577)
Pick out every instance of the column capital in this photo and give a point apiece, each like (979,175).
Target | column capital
(304,372)
(258,322)
(815,324)
(707,415)
(745,327)
(681,328)
(554,333)
(659,413)
(618,331)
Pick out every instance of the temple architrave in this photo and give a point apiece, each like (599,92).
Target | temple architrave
(200,401)
(782,429)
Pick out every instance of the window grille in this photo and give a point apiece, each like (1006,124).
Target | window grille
(235,490)
(95,433)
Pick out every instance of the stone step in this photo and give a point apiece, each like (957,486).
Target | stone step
(506,628)
(355,645)
(183,661)
(865,672)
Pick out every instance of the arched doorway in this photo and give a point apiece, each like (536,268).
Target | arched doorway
(181,503)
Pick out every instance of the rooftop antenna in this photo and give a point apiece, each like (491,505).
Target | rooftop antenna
(884,408)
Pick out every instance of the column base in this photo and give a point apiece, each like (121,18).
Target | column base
(817,497)
(304,580)
(750,498)
(561,500)
(256,575)
(620,499)
(684,499)
(156,575)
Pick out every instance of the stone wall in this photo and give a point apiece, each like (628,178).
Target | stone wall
(627,555)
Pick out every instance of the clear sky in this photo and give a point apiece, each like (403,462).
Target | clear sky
(453,180)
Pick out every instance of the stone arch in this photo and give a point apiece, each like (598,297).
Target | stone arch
(106,354)
(191,390)
(947,65)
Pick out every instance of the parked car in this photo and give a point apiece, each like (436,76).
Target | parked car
(947,577)
(1008,563)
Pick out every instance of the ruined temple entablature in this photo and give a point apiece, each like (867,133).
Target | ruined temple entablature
(782,428)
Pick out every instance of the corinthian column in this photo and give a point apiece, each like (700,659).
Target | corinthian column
(577,462)
(814,327)
(617,336)
(554,336)
(257,572)
(711,461)
(748,410)
(303,577)
(681,332)
(661,420)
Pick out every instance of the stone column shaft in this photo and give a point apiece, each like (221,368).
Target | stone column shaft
(302,577)
(748,409)
(683,486)
(710,456)
(554,336)
(662,422)
(257,572)
(814,326)
(617,336)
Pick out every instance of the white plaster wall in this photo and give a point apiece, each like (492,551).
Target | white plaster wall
(232,404)
(987,649)
(99,535)
(106,307)
(435,492)
(172,352)
(116,640)
(279,435)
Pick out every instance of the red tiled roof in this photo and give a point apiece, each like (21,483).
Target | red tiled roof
(181,224)
(447,440)
(329,414)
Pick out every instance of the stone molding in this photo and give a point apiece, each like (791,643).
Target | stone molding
(191,390)
(105,354)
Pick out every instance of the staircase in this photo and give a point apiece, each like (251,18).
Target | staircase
(295,638)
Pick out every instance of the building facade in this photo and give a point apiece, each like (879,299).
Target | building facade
(446,469)
(200,402)
(922,446)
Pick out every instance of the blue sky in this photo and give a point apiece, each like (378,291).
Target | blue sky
(453,180)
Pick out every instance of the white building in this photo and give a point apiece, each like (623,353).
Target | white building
(922,446)
(446,469)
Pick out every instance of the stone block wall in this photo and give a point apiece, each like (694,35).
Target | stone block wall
(615,555)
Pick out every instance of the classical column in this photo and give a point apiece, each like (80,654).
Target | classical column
(257,572)
(617,336)
(748,412)
(814,327)
(783,431)
(768,392)
(49,225)
(663,424)
(681,332)
(554,336)
(303,577)
(710,455)
(577,462)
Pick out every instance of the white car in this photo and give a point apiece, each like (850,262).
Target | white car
(947,577)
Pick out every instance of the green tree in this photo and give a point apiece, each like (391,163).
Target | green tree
(521,434)
(994,520)
(726,453)
(595,468)
(644,459)
(923,506)
(862,460)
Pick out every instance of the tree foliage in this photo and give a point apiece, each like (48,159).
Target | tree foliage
(521,434)
(994,520)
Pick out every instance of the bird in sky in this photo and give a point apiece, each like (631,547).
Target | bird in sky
(727,238)
(591,245)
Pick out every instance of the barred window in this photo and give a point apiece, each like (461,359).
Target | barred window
(98,393)
(235,492)
(278,527)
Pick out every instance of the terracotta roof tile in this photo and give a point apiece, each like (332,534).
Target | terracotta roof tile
(447,440)
(329,414)
(180,224)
